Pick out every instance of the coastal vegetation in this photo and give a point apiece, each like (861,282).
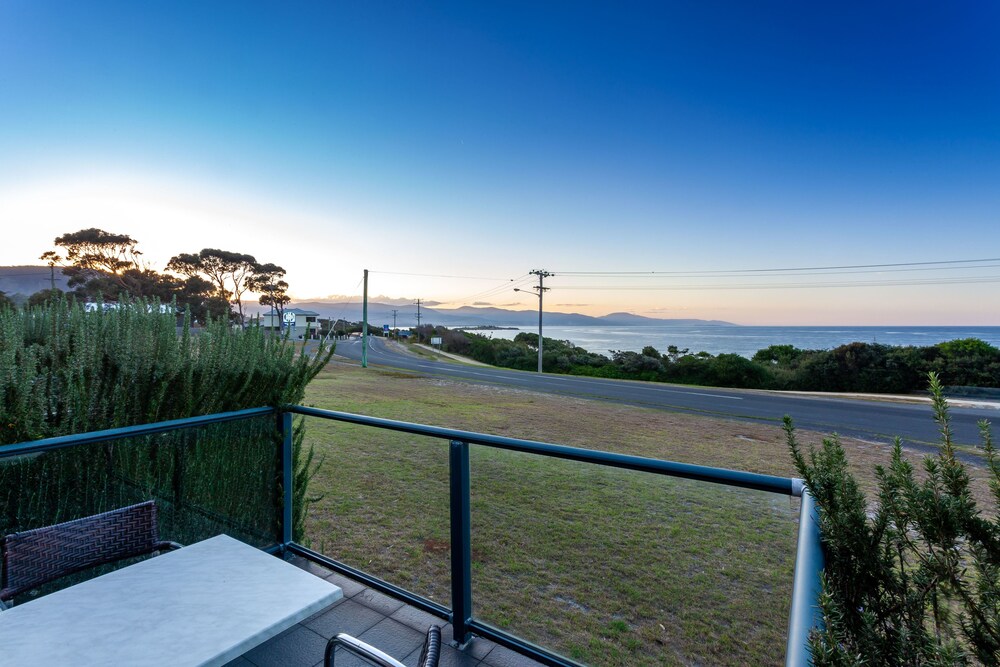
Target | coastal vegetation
(856,367)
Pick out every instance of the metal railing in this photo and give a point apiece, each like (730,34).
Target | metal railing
(808,563)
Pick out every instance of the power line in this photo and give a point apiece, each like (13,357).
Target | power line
(744,286)
(503,287)
(498,289)
(778,270)
(434,275)
(711,274)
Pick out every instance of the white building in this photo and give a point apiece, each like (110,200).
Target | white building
(302,323)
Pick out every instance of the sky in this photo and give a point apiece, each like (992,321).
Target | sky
(693,160)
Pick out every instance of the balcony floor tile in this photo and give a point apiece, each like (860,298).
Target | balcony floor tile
(378,619)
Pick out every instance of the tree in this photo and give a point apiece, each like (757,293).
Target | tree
(968,362)
(52,259)
(674,353)
(5,301)
(98,259)
(41,297)
(186,264)
(234,267)
(267,280)
(633,363)
(785,356)
(228,271)
(199,296)
(104,265)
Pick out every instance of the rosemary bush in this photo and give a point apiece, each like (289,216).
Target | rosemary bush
(64,370)
(914,577)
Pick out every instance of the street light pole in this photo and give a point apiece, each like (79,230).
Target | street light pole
(542,275)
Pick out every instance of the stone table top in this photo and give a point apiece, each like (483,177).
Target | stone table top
(204,604)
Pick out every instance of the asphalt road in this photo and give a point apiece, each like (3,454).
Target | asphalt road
(870,420)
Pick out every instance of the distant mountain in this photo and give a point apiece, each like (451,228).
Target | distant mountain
(23,281)
(20,282)
(630,320)
(470,316)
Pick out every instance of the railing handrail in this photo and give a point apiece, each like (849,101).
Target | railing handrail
(804,613)
(747,480)
(90,437)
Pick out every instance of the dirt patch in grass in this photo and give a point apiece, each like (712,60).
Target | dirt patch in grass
(609,567)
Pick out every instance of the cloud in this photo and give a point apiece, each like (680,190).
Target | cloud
(381,298)
(481,303)
(573,305)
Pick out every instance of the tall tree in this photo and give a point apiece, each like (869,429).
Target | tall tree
(200,297)
(228,271)
(104,264)
(267,281)
(93,250)
(52,259)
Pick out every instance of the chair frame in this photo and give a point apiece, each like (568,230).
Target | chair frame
(34,557)
(429,656)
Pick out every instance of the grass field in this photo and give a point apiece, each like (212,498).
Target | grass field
(606,566)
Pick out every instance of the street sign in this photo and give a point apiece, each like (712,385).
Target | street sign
(385,328)
(436,341)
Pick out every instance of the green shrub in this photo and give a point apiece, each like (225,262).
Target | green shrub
(914,577)
(65,371)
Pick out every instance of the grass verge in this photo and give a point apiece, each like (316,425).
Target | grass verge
(606,566)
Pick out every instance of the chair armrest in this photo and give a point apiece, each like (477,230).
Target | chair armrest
(167,546)
(361,649)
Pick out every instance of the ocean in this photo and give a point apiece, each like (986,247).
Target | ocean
(746,341)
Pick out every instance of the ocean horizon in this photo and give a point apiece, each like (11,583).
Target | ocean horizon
(746,340)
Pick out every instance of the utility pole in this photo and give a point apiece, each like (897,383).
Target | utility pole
(542,275)
(418,320)
(394,323)
(364,326)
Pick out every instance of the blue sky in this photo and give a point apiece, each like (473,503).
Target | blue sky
(484,140)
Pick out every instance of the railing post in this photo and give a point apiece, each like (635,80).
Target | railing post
(805,614)
(287,478)
(461,540)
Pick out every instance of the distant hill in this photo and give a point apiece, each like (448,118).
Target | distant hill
(470,316)
(20,282)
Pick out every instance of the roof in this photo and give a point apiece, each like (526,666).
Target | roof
(299,311)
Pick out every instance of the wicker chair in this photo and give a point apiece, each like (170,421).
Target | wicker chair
(429,656)
(34,557)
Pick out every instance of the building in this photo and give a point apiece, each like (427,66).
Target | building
(303,323)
